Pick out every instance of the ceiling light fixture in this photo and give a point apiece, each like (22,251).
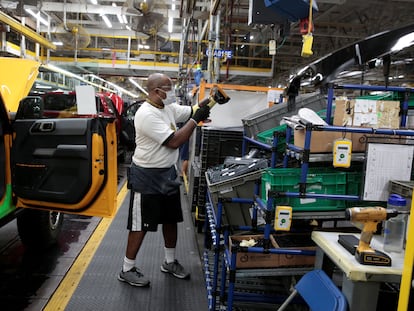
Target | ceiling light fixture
(72,75)
(117,87)
(106,20)
(170,24)
(145,47)
(120,18)
(42,86)
(138,86)
(95,2)
(404,42)
(37,16)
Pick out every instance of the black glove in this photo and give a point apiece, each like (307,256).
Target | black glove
(201,114)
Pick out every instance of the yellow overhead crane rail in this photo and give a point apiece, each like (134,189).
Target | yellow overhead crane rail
(26,31)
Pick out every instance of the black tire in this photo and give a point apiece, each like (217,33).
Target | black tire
(39,228)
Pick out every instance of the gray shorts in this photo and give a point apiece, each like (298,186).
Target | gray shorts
(147,211)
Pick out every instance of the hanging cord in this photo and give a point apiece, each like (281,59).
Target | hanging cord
(310,16)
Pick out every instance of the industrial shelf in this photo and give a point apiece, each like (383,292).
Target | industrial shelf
(224,259)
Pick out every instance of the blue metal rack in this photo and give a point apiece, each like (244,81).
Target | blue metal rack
(220,234)
(305,151)
(227,293)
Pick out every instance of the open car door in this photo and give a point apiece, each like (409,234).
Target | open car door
(63,161)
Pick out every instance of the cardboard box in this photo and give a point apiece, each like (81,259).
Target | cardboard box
(322,142)
(303,242)
(253,260)
(268,260)
(367,113)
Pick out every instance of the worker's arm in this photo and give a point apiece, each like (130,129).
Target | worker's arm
(179,137)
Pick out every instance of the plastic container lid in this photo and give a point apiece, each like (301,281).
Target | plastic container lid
(397,200)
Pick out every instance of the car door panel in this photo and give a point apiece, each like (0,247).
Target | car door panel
(6,201)
(53,158)
(2,163)
(64,164)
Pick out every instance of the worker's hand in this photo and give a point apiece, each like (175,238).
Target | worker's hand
(201,114)
(204,102)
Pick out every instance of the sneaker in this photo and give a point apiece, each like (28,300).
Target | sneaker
(133,277)
(176,269)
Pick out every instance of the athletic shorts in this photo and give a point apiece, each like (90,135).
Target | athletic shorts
(147,211)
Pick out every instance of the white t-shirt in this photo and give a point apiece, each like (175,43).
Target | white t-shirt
(152,127)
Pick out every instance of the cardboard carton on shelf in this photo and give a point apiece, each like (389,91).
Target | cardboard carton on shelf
(355,113)
(323,141)
(268,260)
(367,113)
(253,260)
(301,241)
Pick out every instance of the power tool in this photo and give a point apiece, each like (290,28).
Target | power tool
(216,96)
(370,217)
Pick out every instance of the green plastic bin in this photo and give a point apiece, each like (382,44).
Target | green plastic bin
(267,137)
(319,181)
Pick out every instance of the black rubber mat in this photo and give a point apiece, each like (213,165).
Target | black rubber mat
(100,289)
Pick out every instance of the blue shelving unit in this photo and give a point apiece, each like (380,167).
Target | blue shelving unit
(221,265)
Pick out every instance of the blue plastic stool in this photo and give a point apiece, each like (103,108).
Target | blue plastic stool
(319,292)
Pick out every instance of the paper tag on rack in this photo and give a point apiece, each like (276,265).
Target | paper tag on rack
(283,218)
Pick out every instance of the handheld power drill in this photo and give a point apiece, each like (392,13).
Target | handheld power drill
(370,217)
(216,96)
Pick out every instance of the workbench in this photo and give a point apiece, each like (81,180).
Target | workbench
(360,283)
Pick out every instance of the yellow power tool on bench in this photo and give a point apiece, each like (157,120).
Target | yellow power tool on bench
(370,217)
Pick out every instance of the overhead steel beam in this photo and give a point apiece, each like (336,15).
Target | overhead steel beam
(26,31)
(83,8)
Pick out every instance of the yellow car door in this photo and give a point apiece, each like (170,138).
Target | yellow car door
(65,164)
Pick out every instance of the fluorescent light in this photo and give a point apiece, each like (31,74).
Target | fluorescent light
(120,18)
(124,18)
(127,27)
(170,24)
(404,42)
(107,21)
(94,2)
(58,43)
(118,88)
(138,86)
(42,86)
(37,16)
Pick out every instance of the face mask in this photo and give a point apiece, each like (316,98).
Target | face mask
(170,97)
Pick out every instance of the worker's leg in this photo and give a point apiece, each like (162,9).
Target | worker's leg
(135,239)
(171,264)
(130,273)
(170,235)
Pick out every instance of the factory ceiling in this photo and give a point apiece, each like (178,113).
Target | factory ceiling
(174,36)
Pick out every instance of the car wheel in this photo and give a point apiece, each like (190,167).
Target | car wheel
(39,228)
